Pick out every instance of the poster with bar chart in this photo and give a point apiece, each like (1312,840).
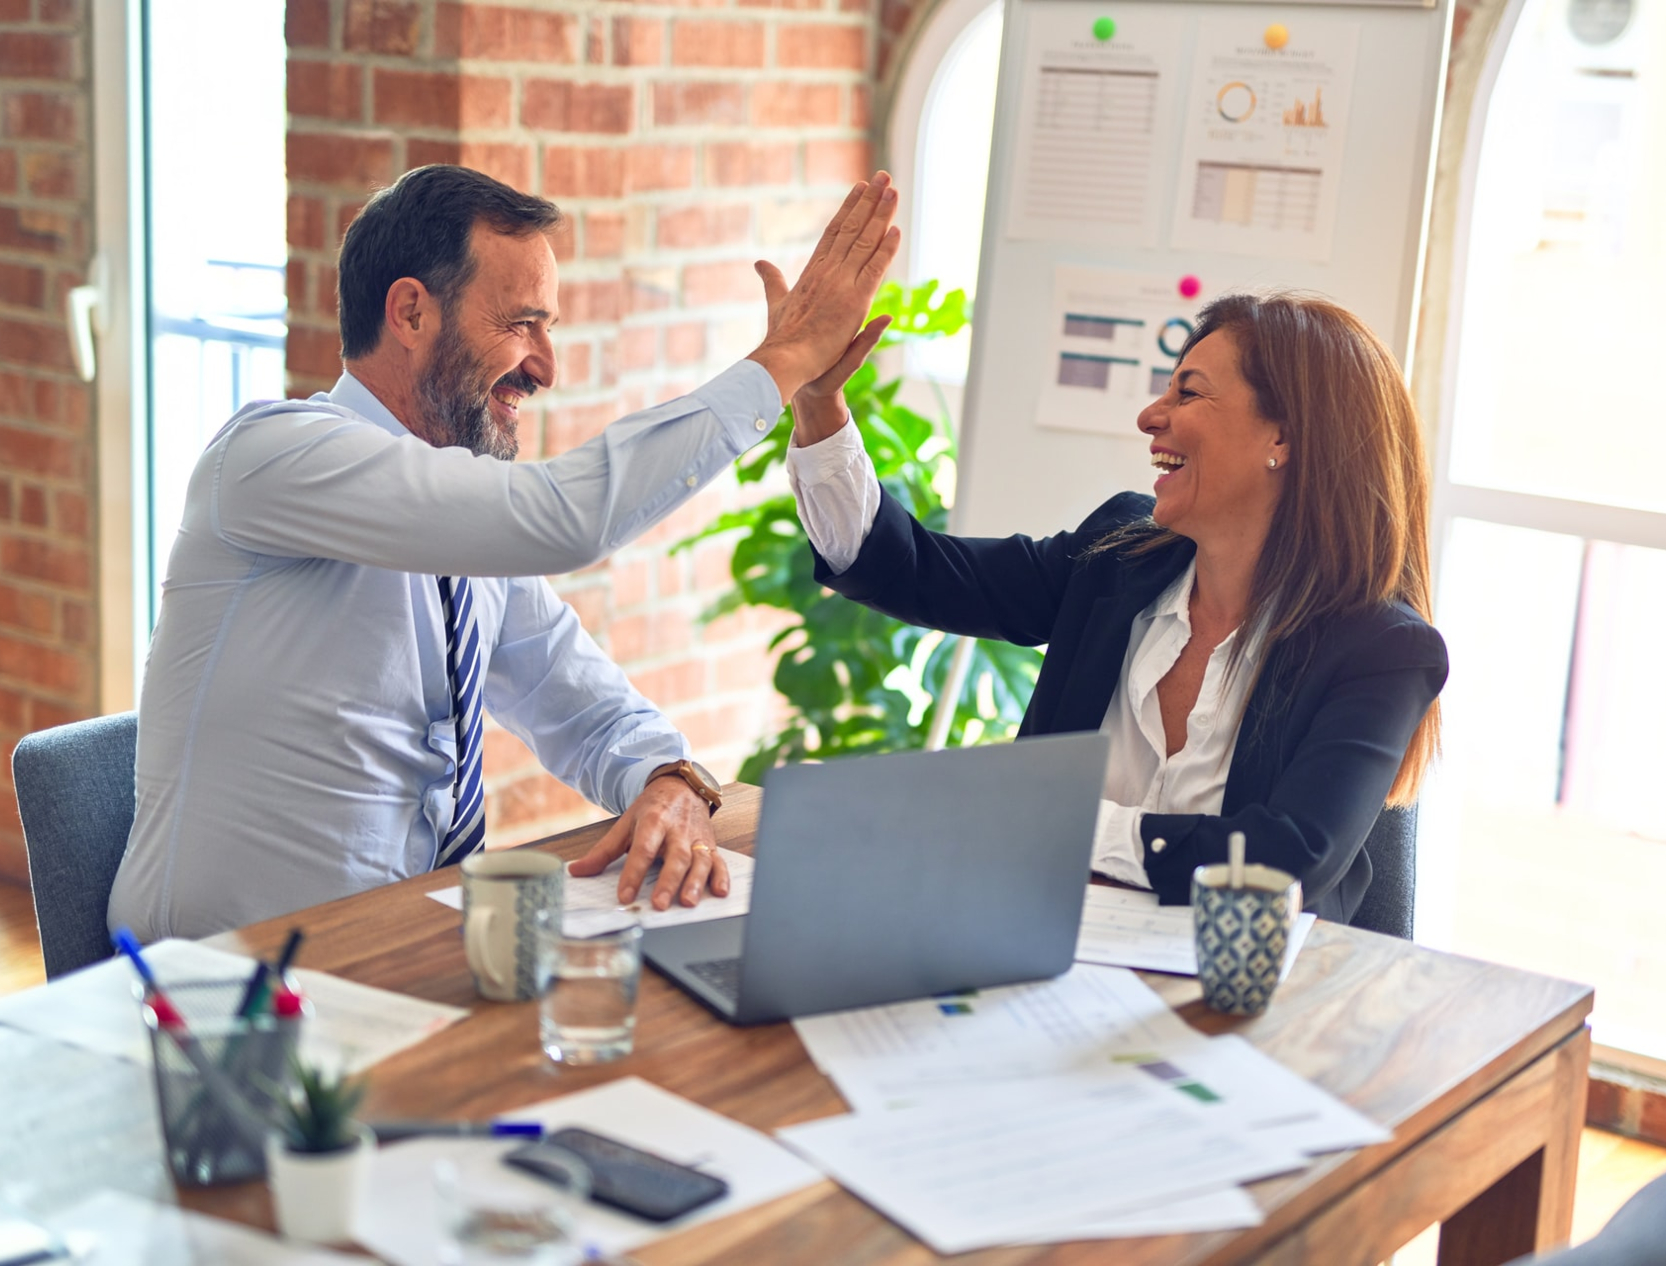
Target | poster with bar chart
(1114,338)
(1264,130)
(1094,116)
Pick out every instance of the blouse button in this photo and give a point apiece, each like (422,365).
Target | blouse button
(1159,844)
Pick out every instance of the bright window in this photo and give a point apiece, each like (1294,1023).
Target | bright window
(1544,836)
(217,243)
(941,135)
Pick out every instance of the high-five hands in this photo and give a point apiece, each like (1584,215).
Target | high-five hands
(816,327)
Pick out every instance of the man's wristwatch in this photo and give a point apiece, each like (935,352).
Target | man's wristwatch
(698,778)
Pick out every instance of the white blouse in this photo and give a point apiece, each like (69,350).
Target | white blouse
(838,497)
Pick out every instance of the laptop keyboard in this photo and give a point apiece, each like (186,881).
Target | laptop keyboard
(722,974)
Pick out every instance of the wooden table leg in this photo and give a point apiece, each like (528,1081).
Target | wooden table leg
(1529,1209)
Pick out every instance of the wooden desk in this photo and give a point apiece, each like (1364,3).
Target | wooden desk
(1479,1069)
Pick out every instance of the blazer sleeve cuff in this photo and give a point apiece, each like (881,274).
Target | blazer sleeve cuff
(1171,854)
(888,545)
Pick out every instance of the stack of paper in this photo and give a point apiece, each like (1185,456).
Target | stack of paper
(600,894)
(1121,928)
(352,1027)
(1074,1108)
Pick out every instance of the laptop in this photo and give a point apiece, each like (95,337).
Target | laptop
(881,878)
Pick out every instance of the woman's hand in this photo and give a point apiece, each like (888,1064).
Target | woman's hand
(819,406)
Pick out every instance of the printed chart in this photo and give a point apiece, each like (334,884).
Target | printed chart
(1114,342)
(1264,130)
(1093,116)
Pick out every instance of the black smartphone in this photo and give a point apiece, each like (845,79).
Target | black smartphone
(623,1176)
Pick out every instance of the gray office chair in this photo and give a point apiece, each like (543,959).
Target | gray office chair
(75,795)
(1635,1236)
(1389,901)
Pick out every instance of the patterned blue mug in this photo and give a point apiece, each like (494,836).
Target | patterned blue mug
(1242,934)
(503,892)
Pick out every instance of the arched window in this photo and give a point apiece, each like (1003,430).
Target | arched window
(940,129)
(1544,844)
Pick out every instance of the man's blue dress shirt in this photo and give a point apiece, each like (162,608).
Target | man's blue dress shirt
(296,736)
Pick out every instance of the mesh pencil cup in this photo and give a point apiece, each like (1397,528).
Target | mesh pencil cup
(220,1081)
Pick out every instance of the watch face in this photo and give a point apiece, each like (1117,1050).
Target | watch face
(712,785)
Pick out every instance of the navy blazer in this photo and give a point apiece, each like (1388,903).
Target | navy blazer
(1323,734)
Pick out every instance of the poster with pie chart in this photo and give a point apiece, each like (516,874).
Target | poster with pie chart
(1113,340)
(1263,135)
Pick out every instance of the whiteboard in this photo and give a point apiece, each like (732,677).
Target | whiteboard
(1024,465)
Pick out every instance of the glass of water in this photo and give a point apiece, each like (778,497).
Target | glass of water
(590,963)
(491,1215)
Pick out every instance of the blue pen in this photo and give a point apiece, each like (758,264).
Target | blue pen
(128,944)
(394,1131)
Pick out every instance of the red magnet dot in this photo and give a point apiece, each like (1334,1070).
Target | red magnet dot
(1189,287)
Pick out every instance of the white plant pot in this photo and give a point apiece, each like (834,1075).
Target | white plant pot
(316,1195)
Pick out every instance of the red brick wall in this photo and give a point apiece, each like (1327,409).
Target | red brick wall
(683,142)
(47,615)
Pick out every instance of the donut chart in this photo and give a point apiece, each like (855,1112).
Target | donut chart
(1235,102)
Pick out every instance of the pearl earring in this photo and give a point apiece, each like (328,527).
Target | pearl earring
(1272,463)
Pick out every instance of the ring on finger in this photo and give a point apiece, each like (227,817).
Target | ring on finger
(702,848)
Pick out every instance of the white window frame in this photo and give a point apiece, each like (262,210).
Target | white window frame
(1455,500)
(119,386)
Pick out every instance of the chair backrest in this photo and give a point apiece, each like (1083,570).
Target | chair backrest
(1389,901)
(1635,1236)
(75,795)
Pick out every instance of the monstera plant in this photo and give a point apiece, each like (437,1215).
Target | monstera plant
(857,681)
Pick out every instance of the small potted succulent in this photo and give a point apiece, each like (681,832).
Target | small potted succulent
(318,1157)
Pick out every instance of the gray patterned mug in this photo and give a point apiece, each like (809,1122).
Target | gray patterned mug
(502,895)
(1242,934)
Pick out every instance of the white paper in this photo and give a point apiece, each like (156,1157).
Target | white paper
(1130,929)
(1228,1209)
(115,1229)
(1230,1078)
(1264,135)
(908,1053)
(399,1218)
(1113,339)
(1025,1160)
(1095,120)
(600,893)
(352,1027)
(1089,1006)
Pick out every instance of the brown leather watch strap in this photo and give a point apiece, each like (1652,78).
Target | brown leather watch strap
(699,782)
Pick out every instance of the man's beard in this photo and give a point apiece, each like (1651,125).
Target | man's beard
(456,396)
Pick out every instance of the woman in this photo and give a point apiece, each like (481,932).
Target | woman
(1255,636)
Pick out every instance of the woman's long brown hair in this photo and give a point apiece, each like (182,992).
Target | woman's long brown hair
(1351,529)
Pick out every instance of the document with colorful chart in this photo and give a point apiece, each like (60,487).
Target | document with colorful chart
(1113,340)
(1095,121)
(1264,124)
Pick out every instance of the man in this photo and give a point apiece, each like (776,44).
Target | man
(358,574)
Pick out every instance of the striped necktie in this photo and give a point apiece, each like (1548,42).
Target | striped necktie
(462,664)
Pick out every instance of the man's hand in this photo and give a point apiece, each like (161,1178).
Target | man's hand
(666,821)
(816,327)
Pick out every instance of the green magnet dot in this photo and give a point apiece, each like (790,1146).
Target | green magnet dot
(1104,29)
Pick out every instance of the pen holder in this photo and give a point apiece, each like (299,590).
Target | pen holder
(220,1082)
